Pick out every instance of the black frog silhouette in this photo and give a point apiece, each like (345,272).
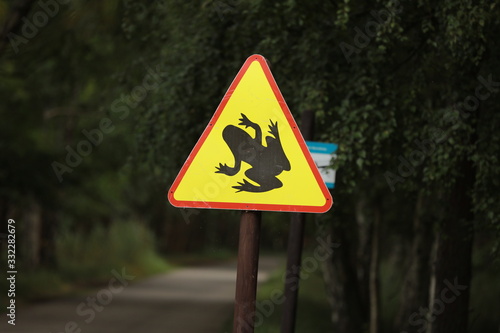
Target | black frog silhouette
(267,161)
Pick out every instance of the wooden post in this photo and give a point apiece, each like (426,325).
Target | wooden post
(294,248)
(246,276)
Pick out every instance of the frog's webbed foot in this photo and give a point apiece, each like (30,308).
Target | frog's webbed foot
(273,129)
(247,187)
(226,170)
(244,121)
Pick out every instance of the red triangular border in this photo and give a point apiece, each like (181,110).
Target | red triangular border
(298,137)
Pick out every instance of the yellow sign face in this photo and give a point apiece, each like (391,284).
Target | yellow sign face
(251,156)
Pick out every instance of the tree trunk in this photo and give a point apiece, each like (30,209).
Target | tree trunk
(349,310)
(364,240)
(432,281)
(415,290)
(374,273)
(449,308)
(32,230)
(342,294)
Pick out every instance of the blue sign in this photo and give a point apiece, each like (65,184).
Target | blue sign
(322,154)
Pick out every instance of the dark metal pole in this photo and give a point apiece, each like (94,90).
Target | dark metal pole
(295,241)
(246,276)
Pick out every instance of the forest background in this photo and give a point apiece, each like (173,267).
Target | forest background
(102,101)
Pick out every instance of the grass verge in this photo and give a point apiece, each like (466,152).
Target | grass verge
(87,261)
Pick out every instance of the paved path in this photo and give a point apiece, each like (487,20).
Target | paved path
(188,300)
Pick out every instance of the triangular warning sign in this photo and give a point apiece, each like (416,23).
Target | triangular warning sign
(252,155)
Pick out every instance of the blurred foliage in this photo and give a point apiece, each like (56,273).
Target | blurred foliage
(400,86)
(400,91)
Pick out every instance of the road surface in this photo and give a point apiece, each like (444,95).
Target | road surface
(188,300)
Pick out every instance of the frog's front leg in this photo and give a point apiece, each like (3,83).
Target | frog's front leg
(244,121)
(235,138)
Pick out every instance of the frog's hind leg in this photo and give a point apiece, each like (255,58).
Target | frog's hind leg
(266,183)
